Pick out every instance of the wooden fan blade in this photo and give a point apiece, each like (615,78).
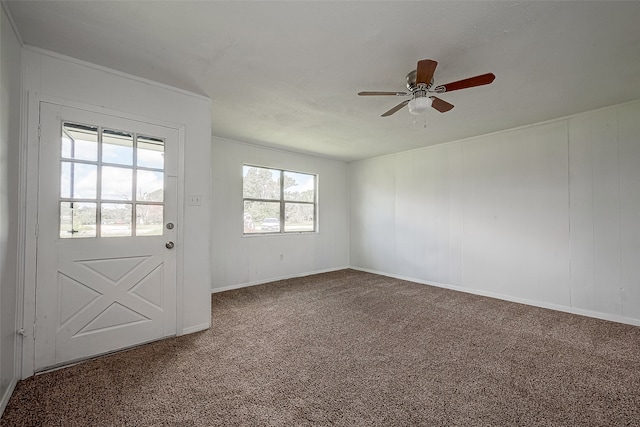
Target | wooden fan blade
(382,93)
(440,105)
(396,108)
(425,70)
(483,79)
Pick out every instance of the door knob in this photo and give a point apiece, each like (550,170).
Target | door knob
(169,245)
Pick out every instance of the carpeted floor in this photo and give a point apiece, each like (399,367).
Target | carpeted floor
(355,349)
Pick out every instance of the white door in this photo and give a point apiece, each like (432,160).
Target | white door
(107,210)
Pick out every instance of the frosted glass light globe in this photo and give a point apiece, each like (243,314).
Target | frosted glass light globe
(419,105)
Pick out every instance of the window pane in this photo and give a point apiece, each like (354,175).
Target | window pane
(79,142)
(117,147)
(150,186)
(298,217)
(149,220)
(261,217)
(115,219)
(150,152)
(299,187)
(78,180)
(116,183)
(77,220)
(101,165)
(260,183)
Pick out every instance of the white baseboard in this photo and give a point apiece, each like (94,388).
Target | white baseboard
(7,395)
(274,279)
(541,304)
(534,303)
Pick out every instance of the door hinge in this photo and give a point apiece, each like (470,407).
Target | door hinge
(39,130)
(37,230)
(34,331)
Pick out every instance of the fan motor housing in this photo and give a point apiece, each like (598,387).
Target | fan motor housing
(411,82)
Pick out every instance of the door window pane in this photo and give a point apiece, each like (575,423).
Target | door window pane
(78,180)
(150,186)
(298,217)
(149,220)
(79,142)
(115,219)
(150,152)
(77,220)
(117,183)
(120,173)
(117,147)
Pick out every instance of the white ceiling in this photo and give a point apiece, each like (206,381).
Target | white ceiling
(286,74)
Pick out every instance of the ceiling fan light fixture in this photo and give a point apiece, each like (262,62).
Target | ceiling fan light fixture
(419,105)
(419,82)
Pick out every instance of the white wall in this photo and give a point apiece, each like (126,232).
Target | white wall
(545,215)
(54,77)
(241,261)
(605,210)
(10,108)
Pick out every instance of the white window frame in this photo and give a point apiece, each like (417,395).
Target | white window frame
(282,203)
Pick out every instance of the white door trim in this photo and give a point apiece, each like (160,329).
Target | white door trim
(29,187)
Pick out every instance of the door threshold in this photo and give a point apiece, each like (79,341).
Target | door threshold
(99,356)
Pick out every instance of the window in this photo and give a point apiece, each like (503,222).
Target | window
(111,183)
(278,201)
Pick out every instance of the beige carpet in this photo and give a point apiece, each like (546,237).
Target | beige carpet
(355,349)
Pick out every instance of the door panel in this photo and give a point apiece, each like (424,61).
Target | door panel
(105,278)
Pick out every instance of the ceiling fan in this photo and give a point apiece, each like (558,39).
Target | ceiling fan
(419,82)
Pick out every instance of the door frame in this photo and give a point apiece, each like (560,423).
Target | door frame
(29,178)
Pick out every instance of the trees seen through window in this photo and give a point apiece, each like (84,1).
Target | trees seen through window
(278,201)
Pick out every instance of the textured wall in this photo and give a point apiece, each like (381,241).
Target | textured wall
(545,214)
(10,80)
(239,261)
